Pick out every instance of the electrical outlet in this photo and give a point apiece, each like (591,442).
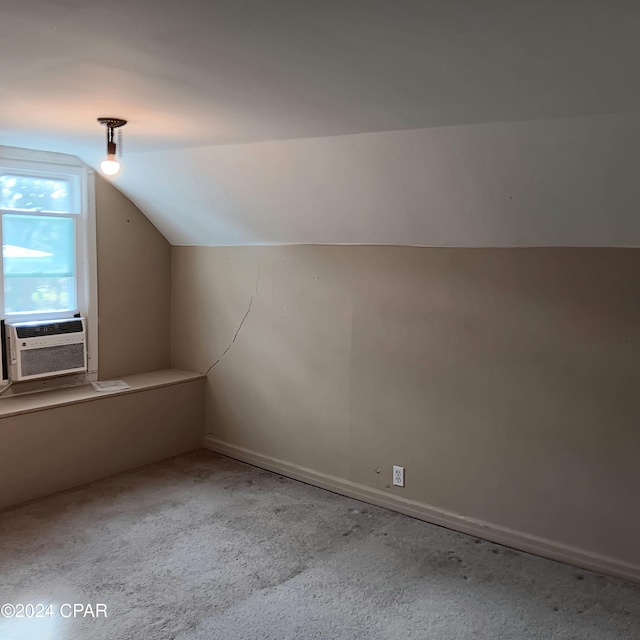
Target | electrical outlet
(398,476)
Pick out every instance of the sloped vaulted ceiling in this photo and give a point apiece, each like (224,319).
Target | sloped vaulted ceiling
(449,122)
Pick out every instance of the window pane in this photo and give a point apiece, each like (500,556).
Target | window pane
(38,255)
(27,193)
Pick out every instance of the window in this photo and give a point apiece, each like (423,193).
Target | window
(47,233)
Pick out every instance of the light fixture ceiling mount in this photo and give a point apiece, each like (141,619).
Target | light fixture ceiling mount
(113,123)
(110,166)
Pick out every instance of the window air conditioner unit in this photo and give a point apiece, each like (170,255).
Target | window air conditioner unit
(45,348)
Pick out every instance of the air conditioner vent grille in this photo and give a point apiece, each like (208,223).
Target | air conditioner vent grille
(51,359)
(49,329)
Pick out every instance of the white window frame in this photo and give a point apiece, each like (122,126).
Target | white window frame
(65,167)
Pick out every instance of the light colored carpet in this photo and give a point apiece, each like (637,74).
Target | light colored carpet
(202,547)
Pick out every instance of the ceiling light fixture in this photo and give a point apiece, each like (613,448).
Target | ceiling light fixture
(110,165)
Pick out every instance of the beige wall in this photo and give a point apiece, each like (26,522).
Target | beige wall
(134,263)
(58,448)
(504,380)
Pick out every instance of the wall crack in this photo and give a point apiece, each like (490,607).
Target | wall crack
(255,295)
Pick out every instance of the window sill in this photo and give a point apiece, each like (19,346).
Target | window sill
(43,400)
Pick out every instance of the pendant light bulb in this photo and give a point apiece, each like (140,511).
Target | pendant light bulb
(110,166)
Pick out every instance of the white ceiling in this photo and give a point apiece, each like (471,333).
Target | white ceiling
(202,74)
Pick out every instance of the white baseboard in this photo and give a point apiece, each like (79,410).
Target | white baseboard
(478,528)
